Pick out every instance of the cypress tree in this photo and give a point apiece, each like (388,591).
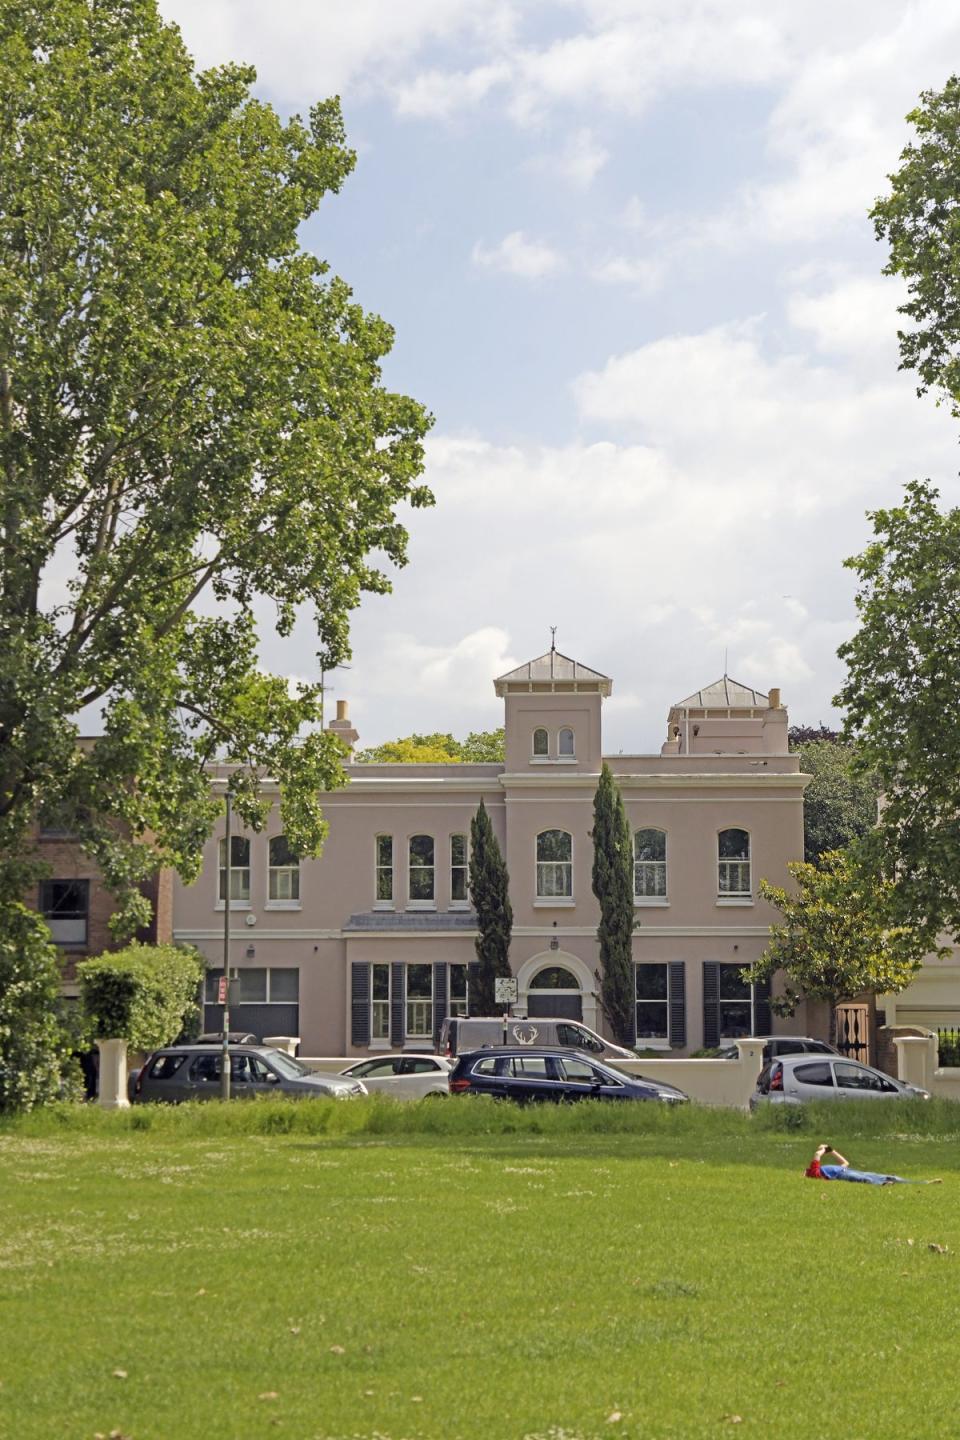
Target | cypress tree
(613,887)
(489,892)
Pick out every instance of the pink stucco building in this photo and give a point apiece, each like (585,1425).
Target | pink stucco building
(371,945)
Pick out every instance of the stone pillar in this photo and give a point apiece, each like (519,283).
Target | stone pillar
(112,1087)
(750,1061)
(916,1059)
(288,1043)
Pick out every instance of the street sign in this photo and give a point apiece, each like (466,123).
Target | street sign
(222,990)
(505,990)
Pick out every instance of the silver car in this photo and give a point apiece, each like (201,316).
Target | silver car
(192,1072)
(791,1079)
(405,1077)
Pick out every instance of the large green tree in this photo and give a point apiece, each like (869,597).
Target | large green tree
(490,894)
(900,697)
(918,219)
(439,748)
(33,1044)
(193,431)
(834,940)
(840,802)
(613,887)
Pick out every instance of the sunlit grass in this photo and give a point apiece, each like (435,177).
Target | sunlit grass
(463,1269)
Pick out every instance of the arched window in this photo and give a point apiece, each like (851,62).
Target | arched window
(565,744)
(554,864)
(422,890)
(541,744)
(650,864)
(284,878)
(733,863)
(555,977)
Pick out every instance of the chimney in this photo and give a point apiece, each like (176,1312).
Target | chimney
(776,740)
(342,727)
(774,698)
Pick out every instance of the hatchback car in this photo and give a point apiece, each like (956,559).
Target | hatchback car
(523,1074)
(776,1045)
(795,1078)
(405,1077)
(192,1072)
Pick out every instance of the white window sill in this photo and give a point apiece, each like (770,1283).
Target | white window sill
(384,905)
(562,903)
(378,1045)
(234,905)
(459,904)
(418,1043)
(282,905)
(651,902)
(658,1044)
(553,760)
(421,904)
(741,900)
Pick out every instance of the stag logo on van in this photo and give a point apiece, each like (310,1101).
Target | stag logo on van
(525,1034)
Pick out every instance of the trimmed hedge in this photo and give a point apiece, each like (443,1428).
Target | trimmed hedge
(144,994)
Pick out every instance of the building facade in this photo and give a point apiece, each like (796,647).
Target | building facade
(369,946)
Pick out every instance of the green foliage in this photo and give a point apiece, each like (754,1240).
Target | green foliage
(919,220)
(490,895)
(436,749)
(840,802)
(900,695)
(34,1045)
(613,887)
(834,941)
(192,422)
(145,994)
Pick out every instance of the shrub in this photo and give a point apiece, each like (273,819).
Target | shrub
(144,994)
(33,1043)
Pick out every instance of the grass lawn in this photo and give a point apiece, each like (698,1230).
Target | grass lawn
(462,1270)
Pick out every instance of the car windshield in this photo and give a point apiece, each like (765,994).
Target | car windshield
(287,1065)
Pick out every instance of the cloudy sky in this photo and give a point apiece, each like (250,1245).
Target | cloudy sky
(625,247)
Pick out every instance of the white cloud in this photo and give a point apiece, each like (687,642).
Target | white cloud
(516,255)
(437,94)
(645,276)
(581,159)
(855,316)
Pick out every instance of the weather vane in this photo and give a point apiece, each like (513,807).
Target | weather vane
(553,637)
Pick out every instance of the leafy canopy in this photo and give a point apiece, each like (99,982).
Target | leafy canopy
(840,802)
(33,1043)
(145,994)
(193,431)
(436,749)
(919,220)
(834,940)
(900,697)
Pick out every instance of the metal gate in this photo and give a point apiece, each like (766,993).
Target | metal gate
(853,1032)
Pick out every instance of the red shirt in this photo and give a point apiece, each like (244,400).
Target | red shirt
(812,1171)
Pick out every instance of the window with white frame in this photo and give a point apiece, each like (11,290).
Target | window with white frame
(384,870)
(541,744)
(284,878)
(239,868)
(653,1014)
(565,746)
(736,1002)
(459,1002)
(554,864)
(733,863)
(419,1002)
(422,872)
(650,864)
(458,869)
(65,905)
(379,1002)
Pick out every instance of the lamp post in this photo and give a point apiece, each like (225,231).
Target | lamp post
(225,1054)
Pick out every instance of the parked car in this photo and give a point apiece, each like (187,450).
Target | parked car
(775,1045)
(459,1033)
(192,1072)
(795,1078)
(406,1077)
(525,1072)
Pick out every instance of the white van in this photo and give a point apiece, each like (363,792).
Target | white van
(459,1034)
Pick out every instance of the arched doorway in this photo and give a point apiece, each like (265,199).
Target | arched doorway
(555,990)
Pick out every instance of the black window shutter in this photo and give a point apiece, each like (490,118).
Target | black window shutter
(398,998)
(359,1003)
(677,1001)
(711,1004)
(761,1008)
(473,974)
(439,998)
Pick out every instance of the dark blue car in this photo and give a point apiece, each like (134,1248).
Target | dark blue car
(525,1073)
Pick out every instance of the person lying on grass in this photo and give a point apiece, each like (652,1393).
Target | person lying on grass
(841,1171)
